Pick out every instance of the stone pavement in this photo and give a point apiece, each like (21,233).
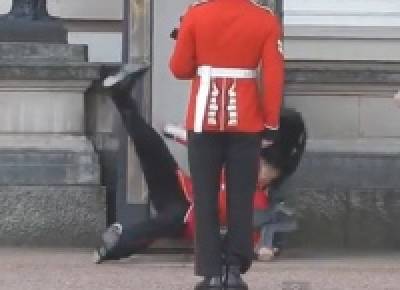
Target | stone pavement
(53,269)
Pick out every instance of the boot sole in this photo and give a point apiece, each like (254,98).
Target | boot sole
(97,258)
(208,288)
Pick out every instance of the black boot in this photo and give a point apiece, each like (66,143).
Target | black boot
(110,239)
(125,75)
(210,283)
(233,280)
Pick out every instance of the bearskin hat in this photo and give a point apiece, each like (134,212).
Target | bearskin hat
(286,152)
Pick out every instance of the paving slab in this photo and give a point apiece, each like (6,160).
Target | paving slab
(61,269)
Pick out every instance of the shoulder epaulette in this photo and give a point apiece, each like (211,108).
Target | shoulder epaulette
(199,2)
(266,8)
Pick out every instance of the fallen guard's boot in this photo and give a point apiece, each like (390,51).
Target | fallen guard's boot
(210,283)
(110,239)
(234,280)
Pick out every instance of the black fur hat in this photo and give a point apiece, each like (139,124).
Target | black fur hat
(286,152)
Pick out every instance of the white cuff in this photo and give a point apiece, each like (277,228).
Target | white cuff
(271,128)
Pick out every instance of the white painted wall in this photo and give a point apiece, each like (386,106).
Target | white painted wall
(102,46)
(87,9)
(78,9)
(5,6)
(169,95)
(343,12)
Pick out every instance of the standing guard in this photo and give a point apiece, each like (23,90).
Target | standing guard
(220,46)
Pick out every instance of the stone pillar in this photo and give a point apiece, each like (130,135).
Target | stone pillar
(50,190)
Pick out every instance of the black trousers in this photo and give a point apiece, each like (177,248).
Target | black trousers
(159,168)
(208,154)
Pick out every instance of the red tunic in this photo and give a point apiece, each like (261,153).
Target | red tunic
(260,202)
(232,34)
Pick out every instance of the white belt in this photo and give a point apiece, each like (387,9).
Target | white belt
(206,73)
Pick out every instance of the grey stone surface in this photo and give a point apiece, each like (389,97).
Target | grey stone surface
(56,107)
(299,31)
(64,204)
(50,192)
(348,170)
(346,111)
(32,31)
(379,117)
(51,215)
(37,52)
(327,116)
(48,142)
(339,218)
(322,217)
(48,71)
(42,87)
(44,167)
(66,269)
(372,146)
(373,217)
(346,200)
(343,72)
(340,48)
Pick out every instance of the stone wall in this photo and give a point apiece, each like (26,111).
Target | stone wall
(346,190)
(50,188)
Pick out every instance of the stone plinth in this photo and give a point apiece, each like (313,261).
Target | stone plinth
(61,216)
(47,159)
(42,106)
(42,52)
(50,188)
(346,189)
(347,199)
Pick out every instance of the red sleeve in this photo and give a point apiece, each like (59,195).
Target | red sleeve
(183,60)
(260,200)
(186,185)
(273,74)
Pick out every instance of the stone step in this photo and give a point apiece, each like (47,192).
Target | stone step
(56,216)
(23,52)
(352,171)
(45,71)
(22,167)
(347,195)
(338,218)
(48,160)
(350,164)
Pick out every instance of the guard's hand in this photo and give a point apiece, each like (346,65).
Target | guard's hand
(269,137)
(174,33)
